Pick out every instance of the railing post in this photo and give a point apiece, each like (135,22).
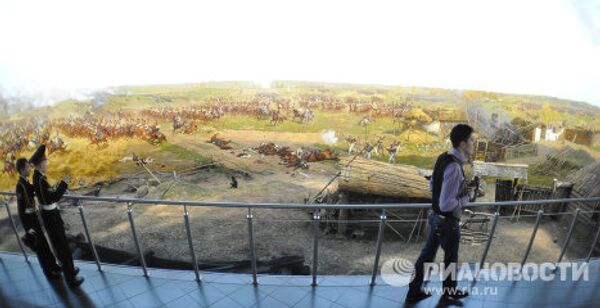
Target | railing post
(530,244)
(589,256)
(380,234)
(14,227)
(316,220)
(186,219)
(488,244)
(250,217)
(87,234)
(568,239)
(135,239)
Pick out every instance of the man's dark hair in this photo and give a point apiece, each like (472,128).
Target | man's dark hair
(460,132)
(21,163)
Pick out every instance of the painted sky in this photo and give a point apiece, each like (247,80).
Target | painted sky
(546,47)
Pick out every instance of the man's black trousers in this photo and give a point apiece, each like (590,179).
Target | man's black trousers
(40,246)
(56,232)
(443,232)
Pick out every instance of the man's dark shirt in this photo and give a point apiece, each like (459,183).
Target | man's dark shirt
(26,204)
(46,195)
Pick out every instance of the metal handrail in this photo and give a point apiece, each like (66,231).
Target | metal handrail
(316,219)
(304,206)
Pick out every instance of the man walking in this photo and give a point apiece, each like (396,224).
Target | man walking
(54,224)
(34,236)
(449,194)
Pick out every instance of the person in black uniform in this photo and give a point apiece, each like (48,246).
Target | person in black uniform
(48,197)
(449,194)
(34,237)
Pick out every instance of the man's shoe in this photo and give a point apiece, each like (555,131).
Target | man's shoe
(456,294)
(416,297)
(75,281)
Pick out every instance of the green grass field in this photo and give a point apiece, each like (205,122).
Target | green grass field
(137,98)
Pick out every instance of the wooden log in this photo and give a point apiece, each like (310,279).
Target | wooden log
(379,178)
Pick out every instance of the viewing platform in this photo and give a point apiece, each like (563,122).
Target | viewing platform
(24,285)
(108,285)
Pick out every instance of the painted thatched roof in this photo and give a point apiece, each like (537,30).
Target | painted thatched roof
(586,181)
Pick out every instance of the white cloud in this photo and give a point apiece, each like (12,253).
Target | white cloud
(539,47)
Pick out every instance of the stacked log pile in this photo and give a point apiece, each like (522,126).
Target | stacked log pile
(379,178)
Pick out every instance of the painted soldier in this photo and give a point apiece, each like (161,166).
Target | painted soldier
(48,198)
(34,237)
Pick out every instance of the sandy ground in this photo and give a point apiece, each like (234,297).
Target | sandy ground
(220,234)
